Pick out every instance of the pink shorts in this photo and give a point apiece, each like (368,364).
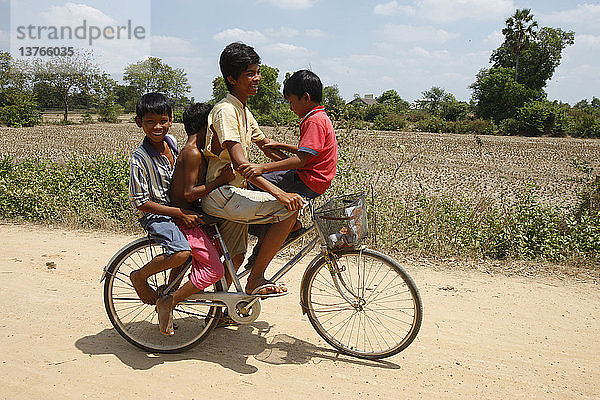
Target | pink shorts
(207,267)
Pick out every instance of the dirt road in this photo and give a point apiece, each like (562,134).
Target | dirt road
(483,336)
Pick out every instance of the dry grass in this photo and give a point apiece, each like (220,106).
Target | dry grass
(407,163)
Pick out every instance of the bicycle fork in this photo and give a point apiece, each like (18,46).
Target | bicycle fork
(335,270)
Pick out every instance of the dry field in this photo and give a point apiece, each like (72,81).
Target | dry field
(408,163)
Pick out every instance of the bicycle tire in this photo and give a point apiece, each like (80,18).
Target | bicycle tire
(138,322)
(383,319)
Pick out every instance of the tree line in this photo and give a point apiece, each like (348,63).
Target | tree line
(507,98)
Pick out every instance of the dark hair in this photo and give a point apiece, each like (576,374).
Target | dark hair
(301,82)
(195,117)
(235,59)
(153,103)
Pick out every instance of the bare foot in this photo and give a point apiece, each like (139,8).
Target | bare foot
(164,308)
(146,294)
(264,287)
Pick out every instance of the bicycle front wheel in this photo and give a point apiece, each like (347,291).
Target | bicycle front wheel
(368,308)
(138,322)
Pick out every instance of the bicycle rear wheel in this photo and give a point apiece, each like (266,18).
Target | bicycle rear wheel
(370,309)
(138,322)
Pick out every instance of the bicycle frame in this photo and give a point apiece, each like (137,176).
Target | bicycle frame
(249,305)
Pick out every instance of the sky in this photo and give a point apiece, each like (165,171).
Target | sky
(362,46)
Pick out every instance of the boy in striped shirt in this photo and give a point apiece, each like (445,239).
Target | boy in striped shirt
(152,165)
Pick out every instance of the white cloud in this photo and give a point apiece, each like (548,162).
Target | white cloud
(587,41)
(583,16)
(314,33)
(285,49)
(239,35)
(393,8)
(413,34)
(71,12)
(283,32)
(169,45)
(445,11)
(290,4)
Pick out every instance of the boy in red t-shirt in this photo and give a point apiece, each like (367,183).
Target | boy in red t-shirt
(312,168)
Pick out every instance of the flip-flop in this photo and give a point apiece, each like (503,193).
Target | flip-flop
(267,295)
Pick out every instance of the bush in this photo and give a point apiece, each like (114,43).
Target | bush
(90,194)
(583,123)
(475,127)
(538,118)
(87,118)
(431,124)
(510,127)
(110,112)
(417,115)
(376,110)
(21,115)
(391,122)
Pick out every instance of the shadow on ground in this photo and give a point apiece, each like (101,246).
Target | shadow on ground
(228,347)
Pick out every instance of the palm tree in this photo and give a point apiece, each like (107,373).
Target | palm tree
(519,29)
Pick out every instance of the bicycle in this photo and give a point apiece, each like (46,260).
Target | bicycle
(360,301)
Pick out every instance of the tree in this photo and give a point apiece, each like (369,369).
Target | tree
(126,96)
(67,76)
(333,101)
(219,90)
(153,75)
(497,96)
(17,101)
(392,99)
(519,29)
(434,99)
(539,59)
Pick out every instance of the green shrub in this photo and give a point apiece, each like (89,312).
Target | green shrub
(376,110)
(390,122)
(510,126)
(431,124)
(90,194)
(86,118)
(537,118)
(475,127)
(109,112)
(20,115)
(583,123)
(417,115)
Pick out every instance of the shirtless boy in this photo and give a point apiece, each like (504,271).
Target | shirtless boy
(188,186)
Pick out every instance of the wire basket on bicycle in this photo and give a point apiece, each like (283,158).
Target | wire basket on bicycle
(342,221)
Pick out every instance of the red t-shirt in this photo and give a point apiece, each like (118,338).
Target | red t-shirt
(318,139)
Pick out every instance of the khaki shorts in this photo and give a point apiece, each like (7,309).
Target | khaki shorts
(242,207)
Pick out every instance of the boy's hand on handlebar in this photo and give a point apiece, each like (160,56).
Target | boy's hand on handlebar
(190,218)
(291,201)
(250,170)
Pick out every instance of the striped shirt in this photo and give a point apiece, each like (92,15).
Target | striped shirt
(150,175)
